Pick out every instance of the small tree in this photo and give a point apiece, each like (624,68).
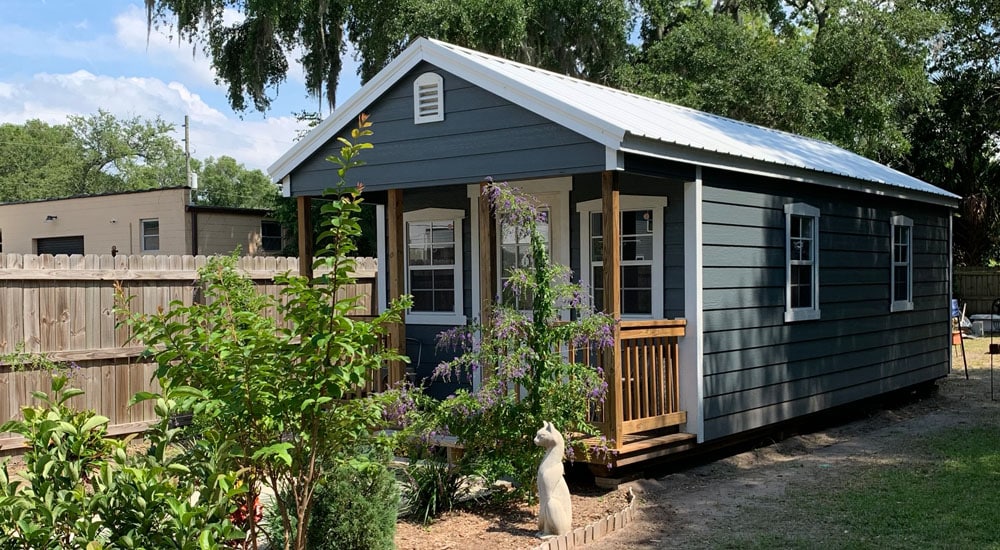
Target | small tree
(281,393)
(531,360)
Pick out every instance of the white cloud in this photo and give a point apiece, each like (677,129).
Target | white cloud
(51,97)
(158,48)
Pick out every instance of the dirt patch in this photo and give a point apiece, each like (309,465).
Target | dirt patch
(487,527)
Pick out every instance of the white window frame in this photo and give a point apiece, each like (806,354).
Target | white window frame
(433,81)
(801,313)
(554,195)
(627,203)
(907,304)
(455,216)
(143,234)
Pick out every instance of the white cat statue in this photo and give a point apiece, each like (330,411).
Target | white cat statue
(555,509)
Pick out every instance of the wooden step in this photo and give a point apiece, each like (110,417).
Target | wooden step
(646,448)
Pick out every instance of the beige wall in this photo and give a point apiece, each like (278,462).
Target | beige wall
(220,233)
(103,221)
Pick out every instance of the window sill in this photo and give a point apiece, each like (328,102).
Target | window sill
(794,315)
(900,306)
(443,319)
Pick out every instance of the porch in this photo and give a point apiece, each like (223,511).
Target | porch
(642,416)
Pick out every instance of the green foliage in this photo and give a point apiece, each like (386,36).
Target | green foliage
(739,70)
(352,509)
(280,395)
(81,490)
(225,182)
(38,160)
(524,350)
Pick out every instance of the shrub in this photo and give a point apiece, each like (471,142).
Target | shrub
(82,490)
(351,509)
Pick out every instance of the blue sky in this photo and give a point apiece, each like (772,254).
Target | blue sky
(62,57)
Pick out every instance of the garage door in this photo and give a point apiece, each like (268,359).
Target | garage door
(59,245)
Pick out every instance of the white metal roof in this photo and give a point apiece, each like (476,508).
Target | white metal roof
(609,116)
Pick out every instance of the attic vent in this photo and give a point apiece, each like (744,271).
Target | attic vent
(428,98)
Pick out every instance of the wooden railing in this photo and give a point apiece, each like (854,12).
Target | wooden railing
(650,394)
(647,394)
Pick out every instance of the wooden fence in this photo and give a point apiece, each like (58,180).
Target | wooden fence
(977,287)
(62,307)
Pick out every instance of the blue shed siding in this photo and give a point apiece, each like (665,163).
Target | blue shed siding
(760,369)
(481,135)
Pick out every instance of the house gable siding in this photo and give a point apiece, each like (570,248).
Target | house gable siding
(481,136)
(759,369)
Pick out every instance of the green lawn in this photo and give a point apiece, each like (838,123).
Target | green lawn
(948,497)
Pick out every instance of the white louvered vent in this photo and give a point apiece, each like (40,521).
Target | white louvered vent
(428,98)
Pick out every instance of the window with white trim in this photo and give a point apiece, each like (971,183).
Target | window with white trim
(150,237)
(640,249)
(434,265)
(515,253)
(901,276)
(428,98)
(801,262)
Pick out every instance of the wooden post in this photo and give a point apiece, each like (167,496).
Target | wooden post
(487,263)
(611,232)
(306,237)
(396,271)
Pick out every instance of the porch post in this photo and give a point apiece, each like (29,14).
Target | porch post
(306,238)
(612,304)
(487,264)
(396,272)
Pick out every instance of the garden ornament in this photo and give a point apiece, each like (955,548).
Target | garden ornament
(555,510)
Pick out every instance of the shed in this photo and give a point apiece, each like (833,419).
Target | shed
(759,276)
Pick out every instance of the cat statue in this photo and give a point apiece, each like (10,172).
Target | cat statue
(555,509)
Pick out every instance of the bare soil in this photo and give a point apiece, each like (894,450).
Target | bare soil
(689,506)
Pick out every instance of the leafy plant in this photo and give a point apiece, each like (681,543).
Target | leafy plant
(530,361)
(281,394)
(81,489)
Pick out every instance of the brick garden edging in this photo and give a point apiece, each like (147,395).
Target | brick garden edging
(595,531)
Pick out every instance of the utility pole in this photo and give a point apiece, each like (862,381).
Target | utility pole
(187,150)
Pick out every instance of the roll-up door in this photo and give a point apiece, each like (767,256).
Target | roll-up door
(59,245)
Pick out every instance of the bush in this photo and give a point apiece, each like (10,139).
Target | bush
(351,509)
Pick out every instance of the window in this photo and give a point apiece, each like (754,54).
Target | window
(515,253)
(641,249)
(801,262)
(1,241)
(901,276)
(428,98)
(150,235)
(270,236)
(434,265)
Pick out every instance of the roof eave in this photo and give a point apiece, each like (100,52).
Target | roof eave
(723,161)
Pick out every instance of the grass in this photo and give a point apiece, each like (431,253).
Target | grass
(948,499)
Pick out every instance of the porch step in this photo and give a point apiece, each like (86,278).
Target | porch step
(639,447)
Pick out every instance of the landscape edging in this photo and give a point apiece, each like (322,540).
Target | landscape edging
(595,531)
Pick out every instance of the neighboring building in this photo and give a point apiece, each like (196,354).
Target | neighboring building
(154,221)
(763,276)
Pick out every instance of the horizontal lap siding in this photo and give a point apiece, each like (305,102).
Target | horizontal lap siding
(759,369)
(482,135)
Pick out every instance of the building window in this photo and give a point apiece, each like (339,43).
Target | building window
(1,241)
(270,236)
(515,253)
(901,277)
(434,265)
(150,235)
(428,98)
(641,250)
(801,262)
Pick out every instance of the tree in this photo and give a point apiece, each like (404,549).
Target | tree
(225,182)
(739,70)
(37,161)
(125,154)
(584,38)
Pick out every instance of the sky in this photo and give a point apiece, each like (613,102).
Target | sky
(63,57)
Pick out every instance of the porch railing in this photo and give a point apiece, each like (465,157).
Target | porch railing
(645,364)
